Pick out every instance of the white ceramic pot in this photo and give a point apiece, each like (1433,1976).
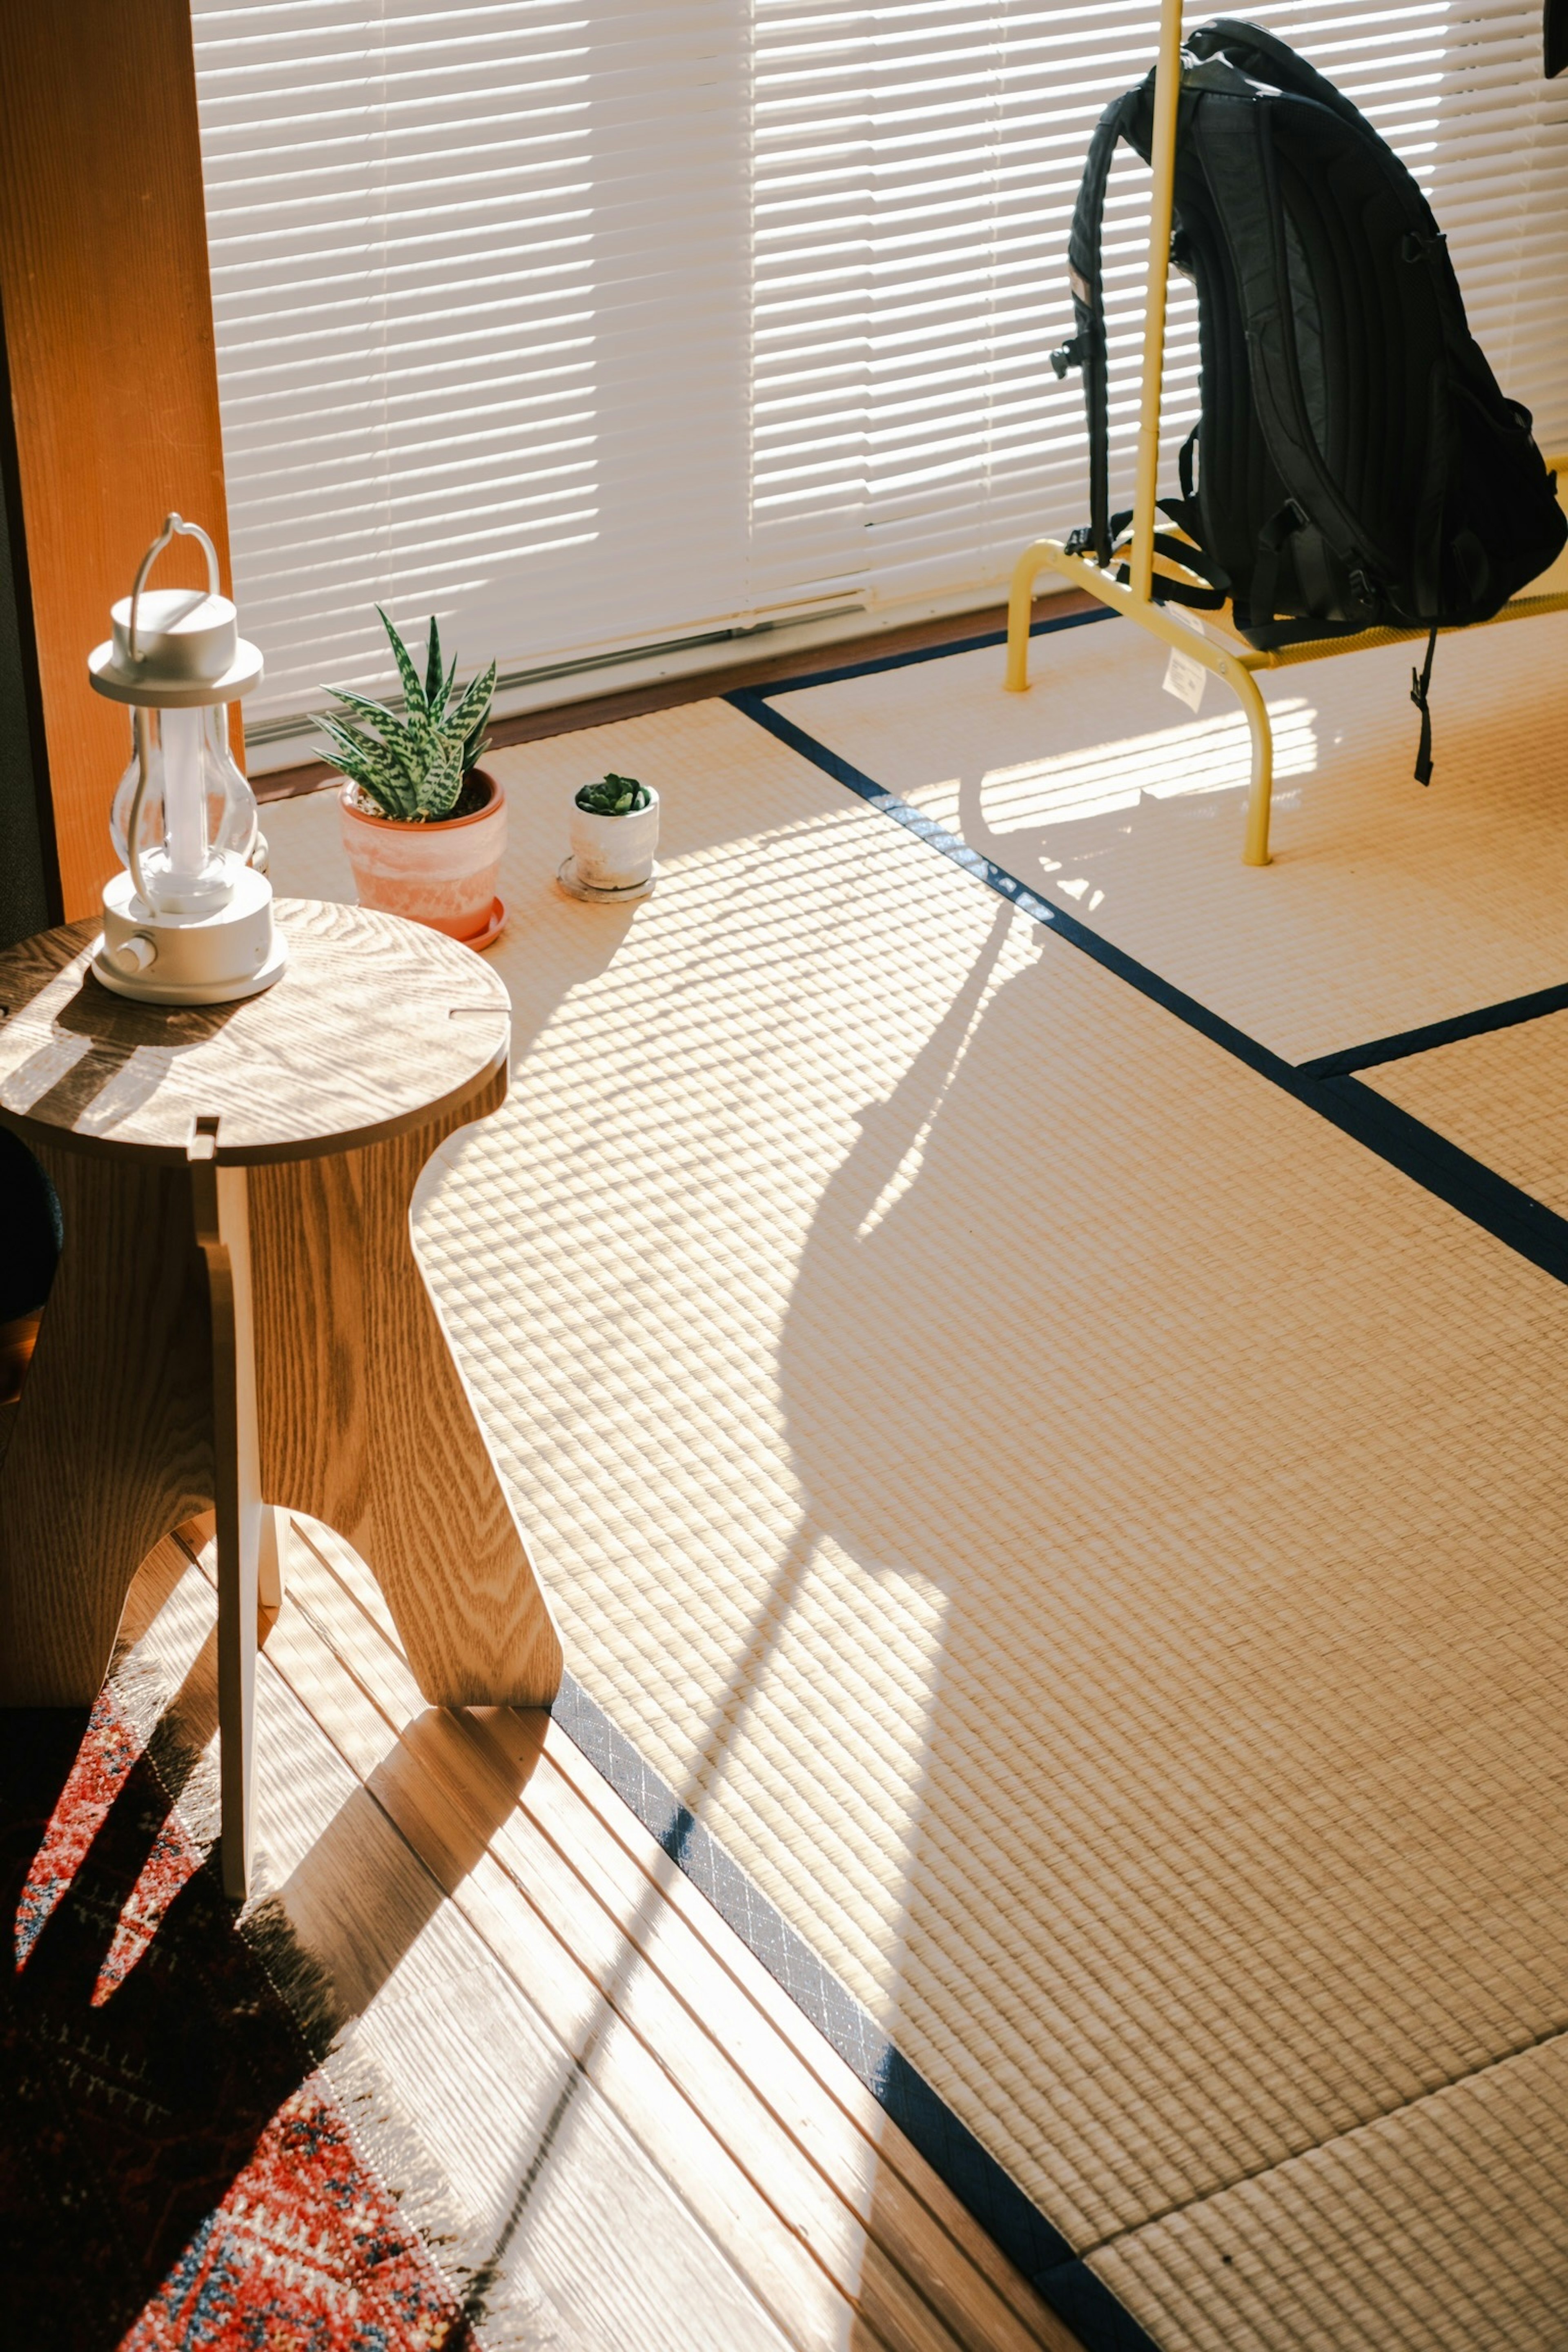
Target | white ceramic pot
(614,852)
(444,874)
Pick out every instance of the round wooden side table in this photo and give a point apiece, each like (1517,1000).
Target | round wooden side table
(238,1320)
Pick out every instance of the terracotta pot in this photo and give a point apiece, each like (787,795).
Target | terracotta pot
(442,873)
(614,852)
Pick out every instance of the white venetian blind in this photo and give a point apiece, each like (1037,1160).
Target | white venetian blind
(480,278)
(916,169)
(599,328)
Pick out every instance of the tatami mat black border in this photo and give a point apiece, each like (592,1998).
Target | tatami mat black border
(981,2185)
(915,655)
(1479,1023)
(1511,1013)
(1511,1216)
(1327,1086)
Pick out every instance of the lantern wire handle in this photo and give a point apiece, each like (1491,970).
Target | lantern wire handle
(173,526)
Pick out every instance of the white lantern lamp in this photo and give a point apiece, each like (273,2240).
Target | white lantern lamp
(189,921)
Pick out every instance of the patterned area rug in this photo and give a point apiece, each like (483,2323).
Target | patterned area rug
(174,2169)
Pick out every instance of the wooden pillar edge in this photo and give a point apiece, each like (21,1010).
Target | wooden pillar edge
(105,298)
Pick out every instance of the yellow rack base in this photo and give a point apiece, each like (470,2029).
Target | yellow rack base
(1234,662)
(1237,661)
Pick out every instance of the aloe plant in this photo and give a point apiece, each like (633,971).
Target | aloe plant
(412,762)
(613,796)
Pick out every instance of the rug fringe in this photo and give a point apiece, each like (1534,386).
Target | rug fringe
(513,2314)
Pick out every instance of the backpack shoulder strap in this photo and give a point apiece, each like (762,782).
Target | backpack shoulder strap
(1233,132)
(1086,350)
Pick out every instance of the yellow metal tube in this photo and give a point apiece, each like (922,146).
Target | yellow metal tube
(1520,608)
(1260,789)
(1167,92)
(1236,667)
(1049,555)
(1021,611)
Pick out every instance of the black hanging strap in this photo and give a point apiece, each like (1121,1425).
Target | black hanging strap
(1185,460)
(1087,348)
(1166,591)
(1420,680)
(1280,526)
(1188,552)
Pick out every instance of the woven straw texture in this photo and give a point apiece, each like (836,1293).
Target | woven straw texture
(1387,906)
(1503,1098)
(1084,1534)
(1441,2224)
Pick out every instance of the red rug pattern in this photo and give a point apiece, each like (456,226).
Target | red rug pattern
(174,2169)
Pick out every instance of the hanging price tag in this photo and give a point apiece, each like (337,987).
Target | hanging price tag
(1183,677)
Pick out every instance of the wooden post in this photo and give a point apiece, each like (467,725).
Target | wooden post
(220,1198)
(108,346)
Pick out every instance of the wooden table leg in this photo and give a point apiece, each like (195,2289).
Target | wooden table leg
(138,1412)
(365,1423)
(113,1445)
(220,1199)
(271,1553)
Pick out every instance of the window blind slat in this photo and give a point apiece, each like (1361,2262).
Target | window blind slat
(591,327)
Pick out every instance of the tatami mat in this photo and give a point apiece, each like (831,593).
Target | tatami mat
(1387,906)
(1458,2238)
(1082,1532)
(1503,1098)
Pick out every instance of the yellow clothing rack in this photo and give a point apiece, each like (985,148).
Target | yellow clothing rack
(1234,661)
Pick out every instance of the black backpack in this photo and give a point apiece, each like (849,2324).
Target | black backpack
(1357,465)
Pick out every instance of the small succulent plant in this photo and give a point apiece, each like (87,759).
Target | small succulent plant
(412,762)
(613,796)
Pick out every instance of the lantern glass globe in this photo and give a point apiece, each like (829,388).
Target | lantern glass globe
(198,825)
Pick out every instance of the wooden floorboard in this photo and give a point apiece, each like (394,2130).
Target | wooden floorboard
(466,2059)
(505,1941)
(726,1993)
(531,1947)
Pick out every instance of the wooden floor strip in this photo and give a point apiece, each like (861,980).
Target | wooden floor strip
(624,2252)
(833,2222)
(917,2217)
(860,2153)
(937,2235)
(782,2268)
(621,2006)
(535,2151)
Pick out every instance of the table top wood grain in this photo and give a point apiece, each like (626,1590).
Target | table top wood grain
(376,1025)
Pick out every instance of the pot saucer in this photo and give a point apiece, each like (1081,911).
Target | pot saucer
(567,878)
(490,928)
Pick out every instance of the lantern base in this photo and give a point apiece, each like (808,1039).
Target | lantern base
(189,960)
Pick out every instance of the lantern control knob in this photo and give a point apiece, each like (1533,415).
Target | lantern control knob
(137,953)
